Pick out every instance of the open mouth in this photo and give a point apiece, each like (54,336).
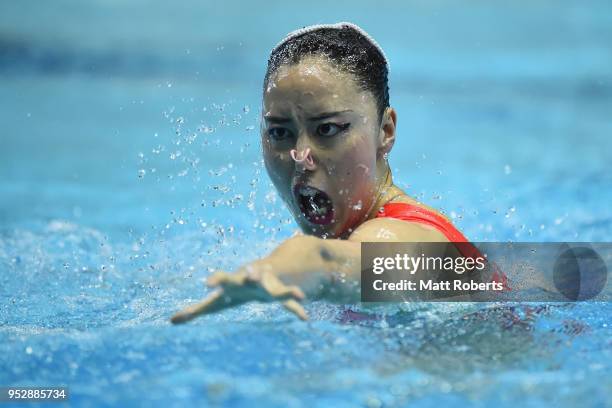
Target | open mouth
(315,205)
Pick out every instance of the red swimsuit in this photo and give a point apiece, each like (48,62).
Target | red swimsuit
(409,212)
(413,213)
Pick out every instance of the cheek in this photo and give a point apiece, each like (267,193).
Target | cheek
(359,165)
(278,167)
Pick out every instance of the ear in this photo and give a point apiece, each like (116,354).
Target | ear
(387,131)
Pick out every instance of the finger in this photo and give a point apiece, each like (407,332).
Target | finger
(277,289)
(294,307)
(212,302)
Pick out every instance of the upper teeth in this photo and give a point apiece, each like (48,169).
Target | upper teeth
(307,191)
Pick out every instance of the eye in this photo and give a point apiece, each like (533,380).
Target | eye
(279,133)
(331,129)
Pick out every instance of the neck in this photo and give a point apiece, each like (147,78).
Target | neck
(387,191)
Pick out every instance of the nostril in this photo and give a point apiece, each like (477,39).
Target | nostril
(301,156)
(309,161)
(293,154)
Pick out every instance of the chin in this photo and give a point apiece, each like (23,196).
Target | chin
(332,230)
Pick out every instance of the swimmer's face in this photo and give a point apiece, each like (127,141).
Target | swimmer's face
(313,107)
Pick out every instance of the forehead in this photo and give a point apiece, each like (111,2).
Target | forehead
(313,85)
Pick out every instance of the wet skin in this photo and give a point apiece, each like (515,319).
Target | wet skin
(321,131)
(317,106)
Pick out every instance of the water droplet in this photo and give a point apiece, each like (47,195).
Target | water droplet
(206,129)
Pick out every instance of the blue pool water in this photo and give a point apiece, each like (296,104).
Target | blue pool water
(130,169)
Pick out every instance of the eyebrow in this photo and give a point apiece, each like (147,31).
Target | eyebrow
(276,119)
(325,115)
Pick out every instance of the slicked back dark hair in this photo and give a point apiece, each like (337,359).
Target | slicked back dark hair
(349,48)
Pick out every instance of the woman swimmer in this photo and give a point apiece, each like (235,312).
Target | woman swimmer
(326,131)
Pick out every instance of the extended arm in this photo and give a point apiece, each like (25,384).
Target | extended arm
(304,265)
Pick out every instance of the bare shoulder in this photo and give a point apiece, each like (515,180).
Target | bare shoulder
(394,230)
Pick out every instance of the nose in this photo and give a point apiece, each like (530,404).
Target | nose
(303,158)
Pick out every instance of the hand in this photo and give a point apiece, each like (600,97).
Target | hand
(244,286)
